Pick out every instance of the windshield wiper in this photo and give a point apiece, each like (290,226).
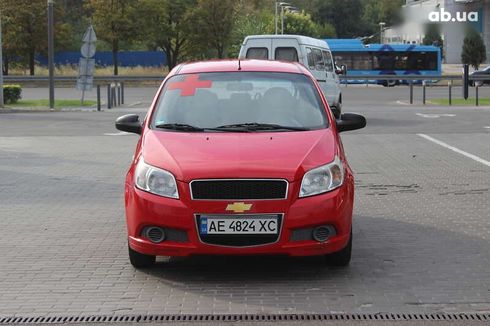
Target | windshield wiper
(261,126)
(179,126)
(187,127)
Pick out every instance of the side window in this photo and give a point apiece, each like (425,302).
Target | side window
(257,53)
(286,54)
(318,59)
(311,60)
(327,58)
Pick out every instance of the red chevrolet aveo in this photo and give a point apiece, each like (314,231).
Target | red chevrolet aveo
(239,158)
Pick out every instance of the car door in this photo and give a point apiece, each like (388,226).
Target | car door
(316,65)
(333,80)
(285,50)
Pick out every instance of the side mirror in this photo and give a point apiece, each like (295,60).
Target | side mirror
(350,121)
(129,123)
(338,70)
(344,69)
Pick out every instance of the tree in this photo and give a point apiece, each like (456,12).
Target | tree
(113,22)
(302,24)
(345,17)
(433,36)
(250,22)
(376,11)
(212,23)
(474,51)
(165,26)
(25,30)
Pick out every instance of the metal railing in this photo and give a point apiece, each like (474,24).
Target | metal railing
(114,98)
(424,79)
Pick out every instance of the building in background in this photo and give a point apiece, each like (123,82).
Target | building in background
(453,16)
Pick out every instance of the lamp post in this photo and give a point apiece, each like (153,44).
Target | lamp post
(285,7)
(51,52)
(277,5)
(1,65)
(381,25)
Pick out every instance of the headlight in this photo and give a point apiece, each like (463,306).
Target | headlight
(155,180)
(322,179)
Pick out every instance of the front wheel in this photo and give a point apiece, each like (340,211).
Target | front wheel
(340,258)
(140,260)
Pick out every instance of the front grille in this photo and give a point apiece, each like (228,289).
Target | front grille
(239,189)
(240,240)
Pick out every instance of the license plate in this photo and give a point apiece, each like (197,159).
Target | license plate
(238,225)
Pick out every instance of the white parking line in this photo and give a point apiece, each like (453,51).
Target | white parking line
(121,133)
(432,115)
(457,150)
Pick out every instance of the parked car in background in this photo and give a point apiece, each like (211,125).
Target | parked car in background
(485,72)
(312,53)
(239,158)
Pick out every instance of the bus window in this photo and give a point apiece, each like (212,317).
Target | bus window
(343,58)
(361,61)
(257,53)
(327,58)
(286,54)
(385,61)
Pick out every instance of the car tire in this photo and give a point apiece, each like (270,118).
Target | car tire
(341,258)
(139,260)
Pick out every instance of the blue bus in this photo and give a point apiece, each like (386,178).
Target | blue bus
(385,59)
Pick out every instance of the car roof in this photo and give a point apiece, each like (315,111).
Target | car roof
(240,65)
(300,38)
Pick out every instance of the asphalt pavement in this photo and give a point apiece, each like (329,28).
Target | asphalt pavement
(421,221)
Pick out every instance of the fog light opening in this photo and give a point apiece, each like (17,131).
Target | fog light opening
(322,233)
(154,233)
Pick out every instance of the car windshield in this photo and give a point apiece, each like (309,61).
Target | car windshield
(250,101)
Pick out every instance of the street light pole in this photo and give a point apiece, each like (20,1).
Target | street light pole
(1,66)
(51,52)
(282,19)
(381,25)
(275,19)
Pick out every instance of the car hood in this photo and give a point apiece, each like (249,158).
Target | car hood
(285,155)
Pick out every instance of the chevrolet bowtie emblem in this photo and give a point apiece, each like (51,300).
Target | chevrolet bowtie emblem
(239,207)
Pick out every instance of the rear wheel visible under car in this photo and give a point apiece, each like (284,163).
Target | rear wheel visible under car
(140,260)
(342,257)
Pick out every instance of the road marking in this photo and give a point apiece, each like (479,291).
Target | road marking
(121,133)
(457,150)
(433,115)
(487,127)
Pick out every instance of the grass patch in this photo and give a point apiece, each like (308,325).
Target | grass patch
(459,101)
(57,103)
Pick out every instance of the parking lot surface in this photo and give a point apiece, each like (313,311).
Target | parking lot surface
(421,222)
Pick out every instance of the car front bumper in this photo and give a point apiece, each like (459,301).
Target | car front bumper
(333,208)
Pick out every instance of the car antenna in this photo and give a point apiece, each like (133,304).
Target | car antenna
(239,64)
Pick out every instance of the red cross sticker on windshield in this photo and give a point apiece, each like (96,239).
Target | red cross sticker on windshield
(189,85)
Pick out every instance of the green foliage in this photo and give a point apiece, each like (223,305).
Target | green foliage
(302,24)
(433,36)
(12,93)
(164,27)
(24,24)
(113,21)
(376,11)
(344,16)
(474,51)
(212,25)
(249,22)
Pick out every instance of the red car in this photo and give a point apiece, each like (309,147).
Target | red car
(239,158)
